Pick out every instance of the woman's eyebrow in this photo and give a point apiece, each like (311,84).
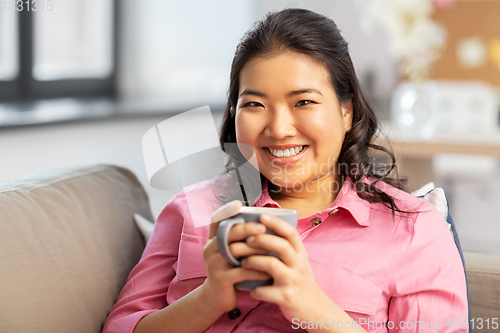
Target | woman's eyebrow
(252,92)
(291,93)
(304,91)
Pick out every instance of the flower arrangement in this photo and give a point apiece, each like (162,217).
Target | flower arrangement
(416,41)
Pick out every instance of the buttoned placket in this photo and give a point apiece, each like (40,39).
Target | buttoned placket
(317,220)
(232,318)
(333,211)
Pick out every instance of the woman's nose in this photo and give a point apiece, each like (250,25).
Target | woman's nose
(280,124)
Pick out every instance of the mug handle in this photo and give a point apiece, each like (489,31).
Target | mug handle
(222,238)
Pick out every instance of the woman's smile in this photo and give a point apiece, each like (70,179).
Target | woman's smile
(286,156)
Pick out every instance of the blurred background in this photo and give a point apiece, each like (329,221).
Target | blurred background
(81,82)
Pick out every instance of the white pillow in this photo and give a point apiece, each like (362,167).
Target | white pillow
(146,227)
(437,197)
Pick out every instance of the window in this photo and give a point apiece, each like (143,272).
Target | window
(54,48)
(8,50)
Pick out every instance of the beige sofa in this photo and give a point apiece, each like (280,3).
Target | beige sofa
(68,242)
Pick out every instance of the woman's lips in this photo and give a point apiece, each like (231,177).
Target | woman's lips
(285,160)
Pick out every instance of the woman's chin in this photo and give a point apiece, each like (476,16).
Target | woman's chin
(288,184)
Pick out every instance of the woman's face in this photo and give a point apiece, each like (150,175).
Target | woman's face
(286,101)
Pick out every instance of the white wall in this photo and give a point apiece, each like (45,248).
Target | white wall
(181,51)
(369,51)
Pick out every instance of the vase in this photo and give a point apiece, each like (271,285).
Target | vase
(412,109)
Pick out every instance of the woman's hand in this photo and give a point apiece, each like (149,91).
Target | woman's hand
(218,289)
(294,289)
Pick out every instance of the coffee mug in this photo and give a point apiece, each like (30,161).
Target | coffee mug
(251,214)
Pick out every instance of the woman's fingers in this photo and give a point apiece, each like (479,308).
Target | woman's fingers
(230,209)
(242,274)
(241,232)
(241,249)
(236,237)
(268,264)
(271,243)
(223,269)
(283,229)
(269,294)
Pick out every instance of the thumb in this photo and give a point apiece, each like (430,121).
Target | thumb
(230,209)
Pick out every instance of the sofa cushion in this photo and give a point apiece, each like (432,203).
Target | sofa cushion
(67,243)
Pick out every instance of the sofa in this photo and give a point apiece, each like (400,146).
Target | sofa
(68,241)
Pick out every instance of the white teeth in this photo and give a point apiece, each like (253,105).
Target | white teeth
(286,152)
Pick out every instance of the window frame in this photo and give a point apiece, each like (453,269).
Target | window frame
(25,88)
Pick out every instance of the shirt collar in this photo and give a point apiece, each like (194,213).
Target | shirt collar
(347,199)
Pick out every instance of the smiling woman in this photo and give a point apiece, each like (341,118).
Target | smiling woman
(364,253)
(285,57)
(287,102)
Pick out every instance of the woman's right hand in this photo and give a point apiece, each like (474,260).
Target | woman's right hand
(218,289)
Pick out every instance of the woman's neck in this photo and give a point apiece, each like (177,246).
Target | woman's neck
(309,199)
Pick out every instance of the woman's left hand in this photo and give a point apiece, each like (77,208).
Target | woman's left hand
(294,289)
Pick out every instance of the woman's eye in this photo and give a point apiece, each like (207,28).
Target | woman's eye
(253,104)
(304,102)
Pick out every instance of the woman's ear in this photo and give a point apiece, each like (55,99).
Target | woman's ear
(347,114)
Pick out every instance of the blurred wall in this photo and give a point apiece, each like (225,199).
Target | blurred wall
(182,53)
(369,51)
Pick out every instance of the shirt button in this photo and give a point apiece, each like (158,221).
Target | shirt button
(234,313)
(333,211)
(316,221)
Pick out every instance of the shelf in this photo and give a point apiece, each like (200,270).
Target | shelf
(414,155)
(403,145)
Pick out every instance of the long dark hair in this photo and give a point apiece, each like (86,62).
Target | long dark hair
(309,33)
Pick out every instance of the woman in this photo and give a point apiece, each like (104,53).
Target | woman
(365,256)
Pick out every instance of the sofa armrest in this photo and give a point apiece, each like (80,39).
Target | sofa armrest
(68,242)
(483,277)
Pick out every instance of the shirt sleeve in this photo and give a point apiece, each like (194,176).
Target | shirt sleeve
(146,288)
(430,293)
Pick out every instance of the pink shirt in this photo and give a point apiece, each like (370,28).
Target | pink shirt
(404,271)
